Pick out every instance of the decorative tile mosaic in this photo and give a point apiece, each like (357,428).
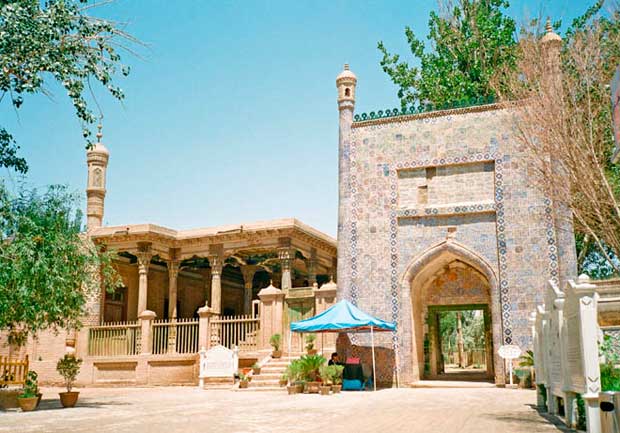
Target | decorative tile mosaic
(513,231)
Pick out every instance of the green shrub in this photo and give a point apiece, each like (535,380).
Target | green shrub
(610,377)
(310,338)
(336,371)
(275,341)
(68,367)
(326,373)
(581,413)
(310,365)
(31,385)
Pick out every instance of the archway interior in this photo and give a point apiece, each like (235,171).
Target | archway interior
(444,288)
(462,333)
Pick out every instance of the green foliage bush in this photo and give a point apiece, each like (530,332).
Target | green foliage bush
(275,341)
(68,367)
(31,385)
(310,365)
(47,268)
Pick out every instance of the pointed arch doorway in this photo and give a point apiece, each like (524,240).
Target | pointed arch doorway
(450,277)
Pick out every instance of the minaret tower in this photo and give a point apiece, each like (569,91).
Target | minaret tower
(345,82)
(97,160)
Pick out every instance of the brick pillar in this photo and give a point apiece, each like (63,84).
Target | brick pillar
(146,328)
(324,298)
(271,314)
(204,327)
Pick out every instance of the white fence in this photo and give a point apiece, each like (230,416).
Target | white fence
(566,336)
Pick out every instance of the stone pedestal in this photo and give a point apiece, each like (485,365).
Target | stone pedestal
(204,327)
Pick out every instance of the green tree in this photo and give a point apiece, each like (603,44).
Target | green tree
(58,40)
(471,44)
(47,268)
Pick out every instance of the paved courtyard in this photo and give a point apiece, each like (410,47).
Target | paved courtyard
(185,409)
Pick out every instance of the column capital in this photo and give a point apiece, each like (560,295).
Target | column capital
(248,272)
(286,256)
(174,267)
(144,255)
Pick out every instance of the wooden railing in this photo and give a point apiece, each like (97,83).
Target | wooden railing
(175,336)
(240,331)
(114,339)
(13,371)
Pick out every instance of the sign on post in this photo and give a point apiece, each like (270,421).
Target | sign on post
(509,352)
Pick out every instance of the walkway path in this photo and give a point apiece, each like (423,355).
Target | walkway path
(185,409)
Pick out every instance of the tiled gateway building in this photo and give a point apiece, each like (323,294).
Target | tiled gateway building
(438,210)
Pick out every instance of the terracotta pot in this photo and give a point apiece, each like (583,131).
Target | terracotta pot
(336,388)
(276,354)
(69,399)
(312,387)
(256,370)
(243,384)
(283,382)
(312,351)
(27,404)
(8,398)
(292,389)
(324,390)
(299,388)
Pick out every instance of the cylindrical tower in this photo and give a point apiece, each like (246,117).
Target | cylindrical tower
(345,82)
(97,159)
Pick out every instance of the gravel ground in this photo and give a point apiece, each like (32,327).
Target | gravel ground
(188,409)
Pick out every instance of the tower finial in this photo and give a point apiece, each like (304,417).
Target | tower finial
(548,26)
(346,66)
(99,133)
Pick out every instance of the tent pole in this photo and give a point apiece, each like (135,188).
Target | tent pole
(397,363)
(374,369)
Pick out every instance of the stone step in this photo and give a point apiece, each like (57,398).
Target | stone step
(261,389)
(266,376)
(266,383)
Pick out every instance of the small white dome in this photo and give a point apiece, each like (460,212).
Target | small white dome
(99,148)
(346,73)
(550,36)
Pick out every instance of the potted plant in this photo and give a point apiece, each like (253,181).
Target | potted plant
(244,380)
(310,338)
(283,379)
(275,341)
(29,398)
(256,368)
(293,372)
(325,371)
(310,365)
(68,367)
(337,377)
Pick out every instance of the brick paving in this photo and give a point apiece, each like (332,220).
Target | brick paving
(188,409)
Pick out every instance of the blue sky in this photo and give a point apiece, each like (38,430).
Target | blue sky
(231,114)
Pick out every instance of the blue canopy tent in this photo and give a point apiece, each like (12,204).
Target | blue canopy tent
(345,317)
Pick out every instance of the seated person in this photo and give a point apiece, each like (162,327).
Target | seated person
(335,359)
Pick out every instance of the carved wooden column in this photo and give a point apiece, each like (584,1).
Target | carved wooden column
(216,260)
(286,256)
(248,272)
(312,264)
(144,255)
(173,273)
